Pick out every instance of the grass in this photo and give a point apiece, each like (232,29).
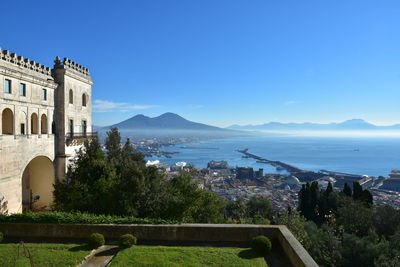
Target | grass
(42,254)
(157,256)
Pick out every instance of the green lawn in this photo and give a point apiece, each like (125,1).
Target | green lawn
(43,254)
(187,256)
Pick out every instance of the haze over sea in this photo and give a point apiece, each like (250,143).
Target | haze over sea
(372,156)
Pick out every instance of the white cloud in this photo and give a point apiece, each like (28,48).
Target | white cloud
(109,106)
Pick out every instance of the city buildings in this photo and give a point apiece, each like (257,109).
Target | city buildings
(45,114)
(393,182)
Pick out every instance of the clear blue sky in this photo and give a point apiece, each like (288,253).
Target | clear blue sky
(222,62)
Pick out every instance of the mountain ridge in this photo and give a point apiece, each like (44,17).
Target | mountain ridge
(352,124)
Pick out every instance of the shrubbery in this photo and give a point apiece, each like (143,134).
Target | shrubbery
(127,241)
(1,237)
(261,244)
(96,240)
(77,218)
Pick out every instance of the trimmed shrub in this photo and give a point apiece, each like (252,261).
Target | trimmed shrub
(261,244)
(77,218)
(1,237)
(95,240)
(127,241)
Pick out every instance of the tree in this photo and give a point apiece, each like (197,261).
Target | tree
(305,206)
(362,195)
(113,144)
(347,190)
(258,206)
(327,205)
(367,198)
(89,183)
(128,152)
(296,224)
(361,251)
(355,218)
(324,244)
(236,209)
(357,191)
(209,208)
(386,220)
(187,202)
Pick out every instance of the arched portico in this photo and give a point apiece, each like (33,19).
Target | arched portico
(37,184)
(43,124)
(34,123)
(7,117)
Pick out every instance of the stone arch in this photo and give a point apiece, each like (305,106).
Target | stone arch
(71,96)
(37,184)
(34,124)
(84,100)
(43,124)
(7,120)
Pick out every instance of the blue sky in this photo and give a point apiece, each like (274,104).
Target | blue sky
(222,62)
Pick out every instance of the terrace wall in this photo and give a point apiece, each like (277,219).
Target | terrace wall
(204,233)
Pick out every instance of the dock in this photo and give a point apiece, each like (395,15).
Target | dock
(276,163)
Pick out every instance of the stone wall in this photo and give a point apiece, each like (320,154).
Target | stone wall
(202,233)
(15,154)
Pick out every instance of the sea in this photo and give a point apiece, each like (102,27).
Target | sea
(375,156)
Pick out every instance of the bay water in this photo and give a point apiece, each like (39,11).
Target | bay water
(370,156)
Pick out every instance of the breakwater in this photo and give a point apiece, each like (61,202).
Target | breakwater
(275,163)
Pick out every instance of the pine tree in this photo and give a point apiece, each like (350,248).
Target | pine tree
(113,144)
(347,190)
(357,191)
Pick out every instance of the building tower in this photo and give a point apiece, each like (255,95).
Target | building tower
(73,111)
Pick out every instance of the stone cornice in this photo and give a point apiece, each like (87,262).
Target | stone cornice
(26,63)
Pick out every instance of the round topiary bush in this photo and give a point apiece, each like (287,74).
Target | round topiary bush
(1,237)
(95,240)
(261,244)
(127,241)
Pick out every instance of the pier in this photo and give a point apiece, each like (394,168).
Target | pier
(342,174)
(280,164)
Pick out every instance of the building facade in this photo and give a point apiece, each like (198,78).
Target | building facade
(45,115)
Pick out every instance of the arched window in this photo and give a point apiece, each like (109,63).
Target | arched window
(34,123)
(71,96)
(43,124)
(84,100)
(7,118)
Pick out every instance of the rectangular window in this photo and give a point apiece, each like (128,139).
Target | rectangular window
(7,86)
(22,89)
(44,94)
(22,128)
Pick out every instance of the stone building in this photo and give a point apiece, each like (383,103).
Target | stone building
(45,114)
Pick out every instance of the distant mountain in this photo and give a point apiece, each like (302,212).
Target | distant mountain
(164,122)
(349,125)
(168,124)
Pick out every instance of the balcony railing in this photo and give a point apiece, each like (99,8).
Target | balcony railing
(79,138)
